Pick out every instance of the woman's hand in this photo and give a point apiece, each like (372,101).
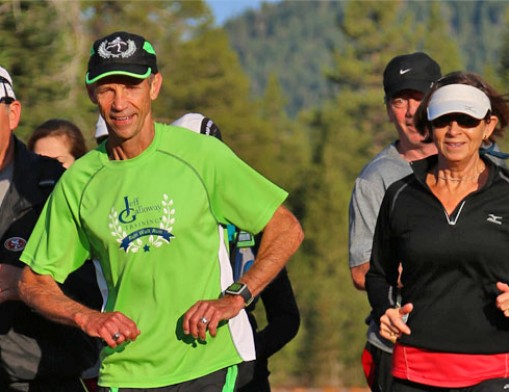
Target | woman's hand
(502,301)
(392,323)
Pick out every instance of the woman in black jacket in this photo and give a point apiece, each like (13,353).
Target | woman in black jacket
(446,225)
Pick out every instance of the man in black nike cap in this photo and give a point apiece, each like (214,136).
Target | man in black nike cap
(406,79)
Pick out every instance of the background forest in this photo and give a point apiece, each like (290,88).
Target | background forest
(296,89)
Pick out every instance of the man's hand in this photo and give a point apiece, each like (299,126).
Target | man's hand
(359,275)
(392,323)
(9,277)
(502,301)
(113,327)
(42,293)
(206,315)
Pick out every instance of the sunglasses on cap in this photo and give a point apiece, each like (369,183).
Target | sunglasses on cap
(6,99)
(463,120)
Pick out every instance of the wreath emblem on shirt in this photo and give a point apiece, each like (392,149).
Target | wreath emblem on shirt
(157,236)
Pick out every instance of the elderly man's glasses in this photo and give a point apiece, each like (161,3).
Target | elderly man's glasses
(463,120)
(403,100)
(399,102)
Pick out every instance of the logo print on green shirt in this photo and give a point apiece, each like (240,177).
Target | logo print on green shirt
(131,230)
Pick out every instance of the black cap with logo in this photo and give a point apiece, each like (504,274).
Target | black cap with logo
(121,53)
(415,71)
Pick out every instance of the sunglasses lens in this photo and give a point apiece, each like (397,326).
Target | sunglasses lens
(462,120)
(441,122)
(466,121)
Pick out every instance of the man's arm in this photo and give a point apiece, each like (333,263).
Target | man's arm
(281,238)
(42,293)
(9,277)
(363,211)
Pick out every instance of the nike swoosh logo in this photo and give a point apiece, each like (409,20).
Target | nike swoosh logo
(404,71)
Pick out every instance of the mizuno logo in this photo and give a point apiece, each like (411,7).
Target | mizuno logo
(494,219)
(404,71)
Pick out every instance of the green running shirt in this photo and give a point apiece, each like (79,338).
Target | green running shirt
(152,222)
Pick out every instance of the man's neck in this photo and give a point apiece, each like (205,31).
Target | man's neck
(119,149)
(415,153)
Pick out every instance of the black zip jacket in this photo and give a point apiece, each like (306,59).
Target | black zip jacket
(451,263)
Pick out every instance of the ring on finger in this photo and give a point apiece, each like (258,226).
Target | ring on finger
(115,336)
(204,320)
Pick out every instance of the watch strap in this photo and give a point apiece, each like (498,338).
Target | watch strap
(243,291)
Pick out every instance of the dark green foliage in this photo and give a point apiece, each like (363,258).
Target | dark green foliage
(39,48)
(291,39)
(303,33)
(317,117)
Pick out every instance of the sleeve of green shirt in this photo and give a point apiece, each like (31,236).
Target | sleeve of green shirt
(242,196)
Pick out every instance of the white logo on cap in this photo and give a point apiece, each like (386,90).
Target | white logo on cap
(469,108)
(404,71)
(117,48)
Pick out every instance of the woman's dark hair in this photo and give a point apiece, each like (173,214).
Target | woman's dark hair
(60,127)
(499,106)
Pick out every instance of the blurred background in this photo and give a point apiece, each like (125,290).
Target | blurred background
(296,89)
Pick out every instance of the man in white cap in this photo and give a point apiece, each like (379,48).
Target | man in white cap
(35,354)
(147,204)
(406,79)
(198,123)
(101,131)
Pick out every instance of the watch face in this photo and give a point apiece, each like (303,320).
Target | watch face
(235,287)
(241,289)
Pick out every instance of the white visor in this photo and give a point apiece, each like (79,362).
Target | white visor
(458,98)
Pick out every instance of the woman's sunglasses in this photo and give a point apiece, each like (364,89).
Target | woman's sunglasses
(463,120)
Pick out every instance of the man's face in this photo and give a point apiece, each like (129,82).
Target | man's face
(401,109)
(9,119)
(125,103)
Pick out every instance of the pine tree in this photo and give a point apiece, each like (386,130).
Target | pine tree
(41,50)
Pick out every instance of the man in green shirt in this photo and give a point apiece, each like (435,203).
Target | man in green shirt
(147,204)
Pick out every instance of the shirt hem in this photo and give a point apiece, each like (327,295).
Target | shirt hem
(162,382)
